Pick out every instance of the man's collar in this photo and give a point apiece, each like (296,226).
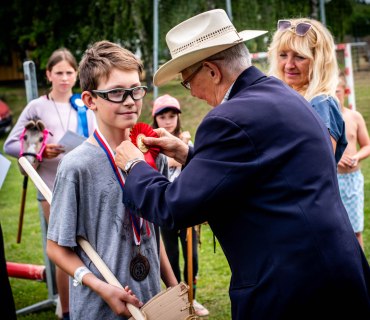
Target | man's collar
(226,97)
(248,77)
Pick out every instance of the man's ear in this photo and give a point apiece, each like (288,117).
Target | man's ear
(88,100)
(214,71)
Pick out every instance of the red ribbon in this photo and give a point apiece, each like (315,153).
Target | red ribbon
(139,131)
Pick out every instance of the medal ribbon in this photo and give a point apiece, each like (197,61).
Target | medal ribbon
(139,131)
(78,105)
(136,222)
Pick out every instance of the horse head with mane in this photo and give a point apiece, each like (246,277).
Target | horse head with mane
(33,142)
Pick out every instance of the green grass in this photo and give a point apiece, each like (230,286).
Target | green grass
(214,273)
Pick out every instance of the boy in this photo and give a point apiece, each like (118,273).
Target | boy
(87,197)
(350,178)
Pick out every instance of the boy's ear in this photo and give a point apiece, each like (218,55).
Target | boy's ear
(88,99)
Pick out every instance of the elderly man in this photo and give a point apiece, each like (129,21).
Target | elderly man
(263,174)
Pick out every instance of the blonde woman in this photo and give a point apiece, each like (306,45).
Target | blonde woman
(302,54)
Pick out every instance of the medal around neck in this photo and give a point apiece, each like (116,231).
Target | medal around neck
(137,133)
(139,267)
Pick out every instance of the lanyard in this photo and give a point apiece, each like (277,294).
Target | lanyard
(136,222)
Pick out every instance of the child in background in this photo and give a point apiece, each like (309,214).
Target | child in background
(350,178)
(166,114)
(88,192)
(59,114)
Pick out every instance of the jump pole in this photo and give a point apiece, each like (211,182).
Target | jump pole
(26,271)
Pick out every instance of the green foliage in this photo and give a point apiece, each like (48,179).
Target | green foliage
(360,20)
(38,27)
(338,14)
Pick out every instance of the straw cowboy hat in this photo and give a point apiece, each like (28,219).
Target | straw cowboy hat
(198,38)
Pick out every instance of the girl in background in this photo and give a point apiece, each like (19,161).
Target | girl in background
(59,111)
(166,114)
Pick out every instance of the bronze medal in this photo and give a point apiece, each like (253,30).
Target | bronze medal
(140,144)
(139,267)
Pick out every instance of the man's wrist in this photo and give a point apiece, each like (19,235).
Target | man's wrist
(130,164)
(182,156)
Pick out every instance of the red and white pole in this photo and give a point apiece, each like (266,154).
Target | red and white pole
(26,271)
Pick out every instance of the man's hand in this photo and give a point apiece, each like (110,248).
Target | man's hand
(170,145)
(125,152)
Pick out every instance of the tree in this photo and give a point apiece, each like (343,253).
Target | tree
(35,28)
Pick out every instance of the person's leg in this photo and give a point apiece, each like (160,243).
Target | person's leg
(61,278)
(351,187)
(171,243)
(62,281)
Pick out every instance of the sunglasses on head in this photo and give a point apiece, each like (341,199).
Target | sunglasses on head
(299,29)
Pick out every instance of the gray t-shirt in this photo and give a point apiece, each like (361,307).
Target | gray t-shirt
(87,202)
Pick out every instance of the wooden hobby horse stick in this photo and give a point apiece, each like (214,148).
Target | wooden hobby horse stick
(189,240)
(21,213)
(89,250)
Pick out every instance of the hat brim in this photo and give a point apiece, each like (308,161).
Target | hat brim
(167,108)
(174,66)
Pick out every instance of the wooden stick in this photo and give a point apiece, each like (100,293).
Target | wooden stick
(21,213)
(36,179)
(189,240)
(92,254)
(107,274)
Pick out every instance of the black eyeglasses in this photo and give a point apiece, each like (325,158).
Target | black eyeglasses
(300,29)
(186,82)
(119,95)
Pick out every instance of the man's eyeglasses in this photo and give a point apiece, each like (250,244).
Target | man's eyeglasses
(186,82)
(119,95)
(300,29)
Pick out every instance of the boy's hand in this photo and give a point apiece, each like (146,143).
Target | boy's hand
(117,298)
(348,161)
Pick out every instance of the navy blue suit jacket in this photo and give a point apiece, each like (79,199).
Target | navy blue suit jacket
(263,174)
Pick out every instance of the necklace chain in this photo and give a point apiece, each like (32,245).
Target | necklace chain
(60,118)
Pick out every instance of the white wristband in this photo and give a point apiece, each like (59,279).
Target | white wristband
(79,274)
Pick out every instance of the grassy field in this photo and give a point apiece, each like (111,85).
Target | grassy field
(214,272)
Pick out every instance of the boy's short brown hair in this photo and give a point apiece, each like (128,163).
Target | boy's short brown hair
(100,59)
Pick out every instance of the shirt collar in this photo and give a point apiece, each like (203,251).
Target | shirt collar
(226,97)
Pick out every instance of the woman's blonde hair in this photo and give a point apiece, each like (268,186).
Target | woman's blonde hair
(318,46)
